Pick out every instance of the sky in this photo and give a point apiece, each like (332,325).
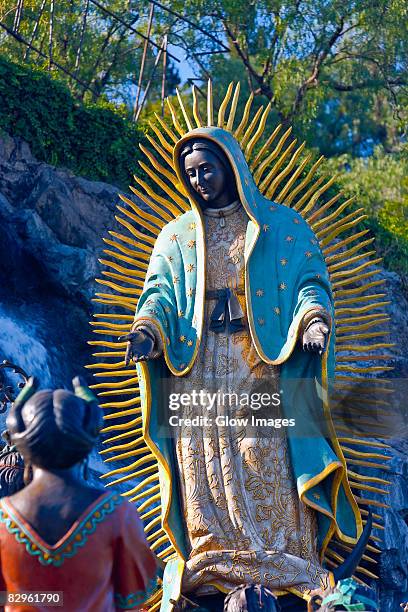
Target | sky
(184,68)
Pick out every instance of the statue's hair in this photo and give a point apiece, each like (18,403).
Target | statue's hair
(200,144)
(11,471)
(54,429)
(251,598)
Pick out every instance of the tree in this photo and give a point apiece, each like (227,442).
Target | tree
(97,43)
(342,64)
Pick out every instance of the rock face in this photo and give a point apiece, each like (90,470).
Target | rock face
(52,225)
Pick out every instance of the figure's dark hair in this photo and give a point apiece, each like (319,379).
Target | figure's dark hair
(251,598)
(199,144)
(11,471)
(54,429)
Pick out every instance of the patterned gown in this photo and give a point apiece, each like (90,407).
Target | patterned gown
(244,519)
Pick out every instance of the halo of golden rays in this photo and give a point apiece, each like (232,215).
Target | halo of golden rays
(281,172)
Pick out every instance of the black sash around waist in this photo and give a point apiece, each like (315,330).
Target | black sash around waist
(227,314)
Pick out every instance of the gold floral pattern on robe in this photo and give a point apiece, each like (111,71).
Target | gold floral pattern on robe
(244,519)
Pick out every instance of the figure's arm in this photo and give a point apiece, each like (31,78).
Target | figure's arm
(144,339)
(315,298)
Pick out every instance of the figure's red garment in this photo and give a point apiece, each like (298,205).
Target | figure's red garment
(102,564)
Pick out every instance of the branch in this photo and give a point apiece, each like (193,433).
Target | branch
(192,54)
(22,40)
(113,28)
(263,87)
(367,84)
(100,83)
(320,56)
(35,28)
(130,27)
(193,25)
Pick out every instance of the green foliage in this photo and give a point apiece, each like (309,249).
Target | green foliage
(336,71)
(96,141)
(104,56)
(380,184)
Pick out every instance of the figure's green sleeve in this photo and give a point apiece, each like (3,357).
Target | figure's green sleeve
(156,306)
(313,293)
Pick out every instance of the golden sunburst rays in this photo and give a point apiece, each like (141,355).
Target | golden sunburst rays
(284,172)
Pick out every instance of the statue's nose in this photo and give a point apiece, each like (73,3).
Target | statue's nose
(200,179)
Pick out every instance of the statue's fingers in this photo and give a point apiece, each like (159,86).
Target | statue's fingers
(128,354)
(126,337)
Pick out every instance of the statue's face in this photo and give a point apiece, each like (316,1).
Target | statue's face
(207,176)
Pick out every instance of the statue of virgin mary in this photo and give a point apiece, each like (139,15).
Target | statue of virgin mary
(235,298)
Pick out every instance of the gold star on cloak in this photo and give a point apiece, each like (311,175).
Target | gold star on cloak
(192,226)
(282,286)
(265,227)
(261,321)
(283,261)
(308,253)
(173,237)
(191,244)
(296,220)
(277,310)
(190,292)
(189,343)
(182,338)
(260,293)
(289,238)
(190,267)
(175,279)
(170,258)
(180,314)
